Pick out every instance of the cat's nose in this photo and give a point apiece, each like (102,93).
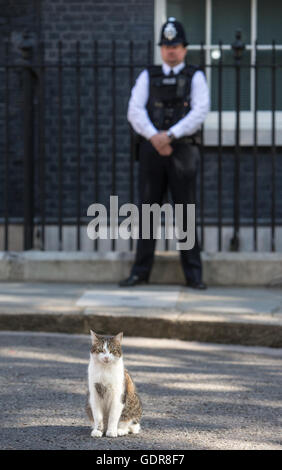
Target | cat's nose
(106,359)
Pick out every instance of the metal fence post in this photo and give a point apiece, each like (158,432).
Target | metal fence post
(28,158)
(238,48)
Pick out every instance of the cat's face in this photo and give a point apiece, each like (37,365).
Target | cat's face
(107,349)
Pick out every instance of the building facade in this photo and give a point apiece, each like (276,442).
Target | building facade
(86,154)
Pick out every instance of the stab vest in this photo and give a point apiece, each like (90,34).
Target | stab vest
(169,96)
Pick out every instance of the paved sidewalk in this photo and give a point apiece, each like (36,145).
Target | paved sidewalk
(247,316)
(194,395)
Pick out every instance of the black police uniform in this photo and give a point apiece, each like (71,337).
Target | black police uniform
(169,101)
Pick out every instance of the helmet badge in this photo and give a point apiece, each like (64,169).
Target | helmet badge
(170,31)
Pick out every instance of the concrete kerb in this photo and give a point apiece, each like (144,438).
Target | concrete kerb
(220,269)
(245,316)
(229,322)
(240,333)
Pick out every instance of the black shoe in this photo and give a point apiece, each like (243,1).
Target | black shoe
(196,285)
(133,280)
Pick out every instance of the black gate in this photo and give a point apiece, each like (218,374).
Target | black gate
(66,143)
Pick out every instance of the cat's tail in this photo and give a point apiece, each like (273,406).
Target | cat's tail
(126,427)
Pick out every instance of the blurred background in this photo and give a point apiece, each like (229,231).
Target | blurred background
(66,71)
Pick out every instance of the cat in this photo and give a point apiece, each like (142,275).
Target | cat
(113,405)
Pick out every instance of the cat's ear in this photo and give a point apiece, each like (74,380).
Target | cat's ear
(94,337)
(119,337)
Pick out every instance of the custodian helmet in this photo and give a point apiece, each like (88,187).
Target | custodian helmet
(172,33)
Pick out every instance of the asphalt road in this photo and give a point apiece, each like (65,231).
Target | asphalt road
(195,396)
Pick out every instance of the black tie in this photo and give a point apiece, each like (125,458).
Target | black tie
(171,73)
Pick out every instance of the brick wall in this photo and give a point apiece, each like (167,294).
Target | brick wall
(71,21)
(14,17)
(87,21)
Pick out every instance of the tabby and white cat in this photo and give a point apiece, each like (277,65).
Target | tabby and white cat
(113,405)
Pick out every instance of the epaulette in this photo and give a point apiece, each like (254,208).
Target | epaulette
(155,70)
(191,69)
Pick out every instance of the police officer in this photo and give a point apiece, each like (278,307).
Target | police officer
(167,107)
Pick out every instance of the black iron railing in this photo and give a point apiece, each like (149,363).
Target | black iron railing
(110,81)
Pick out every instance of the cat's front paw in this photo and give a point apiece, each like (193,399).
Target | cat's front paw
(96,433)
(111,433)
(122,432)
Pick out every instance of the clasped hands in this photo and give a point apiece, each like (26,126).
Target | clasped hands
(161,142)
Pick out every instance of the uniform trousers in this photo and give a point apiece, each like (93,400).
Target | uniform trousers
(176,172)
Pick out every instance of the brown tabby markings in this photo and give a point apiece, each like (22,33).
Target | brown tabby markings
(114,346)
(100,389)
(132,403)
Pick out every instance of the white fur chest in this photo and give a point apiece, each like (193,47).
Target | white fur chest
(110,376)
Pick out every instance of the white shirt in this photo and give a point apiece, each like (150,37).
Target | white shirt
(138,116)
